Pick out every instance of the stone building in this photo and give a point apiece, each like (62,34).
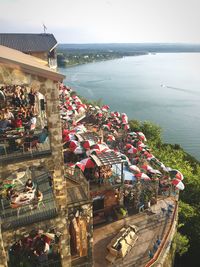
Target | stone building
(42,46)
(65,206)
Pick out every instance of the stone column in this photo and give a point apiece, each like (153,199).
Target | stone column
(3,258)
(59,183)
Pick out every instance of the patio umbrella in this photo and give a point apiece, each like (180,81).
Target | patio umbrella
(117,114)
(132,150)
(80,128)
(88,143)
(146,167)
(69,137)
(105,107)
(106,127)
(132,134)
(79,150)
(176,174)
(126,127)
(112,114)
(80,166)
(92,151)
(134,168)
(110,138)
(143,176)
(178,184)
(73,145)
(101,147)
(89,164)
(141,136)
(128,146)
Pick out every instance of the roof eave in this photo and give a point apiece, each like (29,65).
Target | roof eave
(33,70)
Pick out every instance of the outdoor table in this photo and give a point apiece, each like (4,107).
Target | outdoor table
(24,198)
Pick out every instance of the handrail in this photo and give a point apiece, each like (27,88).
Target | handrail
(163,242)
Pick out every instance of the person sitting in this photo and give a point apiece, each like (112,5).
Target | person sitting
(29,185)
(8,115)
(10,192)
(17,122)
(43,136)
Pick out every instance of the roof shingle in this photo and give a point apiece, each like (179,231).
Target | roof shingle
(28,42)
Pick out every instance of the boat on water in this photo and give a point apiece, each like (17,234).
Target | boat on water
(163,85)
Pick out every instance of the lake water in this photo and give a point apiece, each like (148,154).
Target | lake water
(134,85)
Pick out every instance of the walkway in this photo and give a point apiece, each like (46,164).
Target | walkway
(150,224)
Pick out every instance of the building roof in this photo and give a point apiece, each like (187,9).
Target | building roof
(29,64)
(107,158)
(27,42)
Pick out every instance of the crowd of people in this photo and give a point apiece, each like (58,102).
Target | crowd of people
(20,108)
(35,249)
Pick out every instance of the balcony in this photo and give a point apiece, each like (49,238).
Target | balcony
(28,213)
(15,148)
(77,186)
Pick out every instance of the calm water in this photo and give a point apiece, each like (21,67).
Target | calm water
(133,85)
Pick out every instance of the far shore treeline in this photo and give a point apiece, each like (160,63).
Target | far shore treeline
(76,54)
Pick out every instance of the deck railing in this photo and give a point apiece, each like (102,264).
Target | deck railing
(165,241)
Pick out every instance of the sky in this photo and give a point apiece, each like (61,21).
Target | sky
(105,21)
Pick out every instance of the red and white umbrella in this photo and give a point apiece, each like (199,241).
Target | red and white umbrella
(146,167)
(112,114)
(134,168)
(132,134)
(126,127)
(92,151)
(73,145)
(176,174)
(132,150)
(141,136)
(143,176)
(106,127)
(178,184)
(117,114)
(89,164)
(128,146)
(110,138)
(79,150)
(101,147)
(88,143)
(80,166)
(69,137)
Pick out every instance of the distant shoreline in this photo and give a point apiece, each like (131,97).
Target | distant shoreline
(99,60)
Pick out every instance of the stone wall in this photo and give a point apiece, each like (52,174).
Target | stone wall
(53,163)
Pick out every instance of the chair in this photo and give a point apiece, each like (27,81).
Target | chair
(30,145)
(3,146)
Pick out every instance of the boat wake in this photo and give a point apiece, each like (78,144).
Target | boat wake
(181,89)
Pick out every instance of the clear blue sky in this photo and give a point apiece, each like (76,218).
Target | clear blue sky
(104,21)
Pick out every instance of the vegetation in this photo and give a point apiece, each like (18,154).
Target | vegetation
(187,240)
(67,57)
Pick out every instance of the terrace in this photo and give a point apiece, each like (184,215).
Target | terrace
(30,211)
(108,172)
